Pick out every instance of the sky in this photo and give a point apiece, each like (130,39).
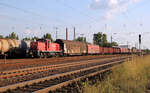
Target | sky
(124,20)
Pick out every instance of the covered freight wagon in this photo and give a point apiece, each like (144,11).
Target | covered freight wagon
(100,50)
(110,49)
(105,50)
(124,50)
(72,47)
(25,47)
(93,49)
(116,50)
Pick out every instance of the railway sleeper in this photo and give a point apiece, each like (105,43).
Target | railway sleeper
(34,71)
(67,77)
(40,74)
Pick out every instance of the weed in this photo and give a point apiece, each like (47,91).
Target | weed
(130,77)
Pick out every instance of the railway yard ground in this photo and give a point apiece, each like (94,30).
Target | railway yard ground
(77,74)
(74,46)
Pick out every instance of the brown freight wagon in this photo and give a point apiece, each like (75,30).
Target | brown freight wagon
(105,50)
(69,47)
(93,49)
(110,49)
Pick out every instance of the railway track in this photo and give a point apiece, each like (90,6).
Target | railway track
(54,81)
(27,63)
(23,60)
(21,72)
(16,76)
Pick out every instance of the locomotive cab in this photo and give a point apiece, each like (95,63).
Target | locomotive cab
(44,48)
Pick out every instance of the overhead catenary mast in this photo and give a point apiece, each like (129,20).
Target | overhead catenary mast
(66,33)
(56,32)
(139,41)
(74,33)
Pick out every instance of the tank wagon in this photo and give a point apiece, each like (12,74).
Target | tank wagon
(9,46)
(25,47)
(134,50)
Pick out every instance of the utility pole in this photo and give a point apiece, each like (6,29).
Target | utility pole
(139,41)
(56,31)
(111,39)
(74,33)
(66,33)
(127,44)
(135,45)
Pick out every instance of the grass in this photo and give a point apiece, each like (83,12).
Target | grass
(129,77)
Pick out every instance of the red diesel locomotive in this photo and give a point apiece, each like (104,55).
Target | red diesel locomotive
(44,48)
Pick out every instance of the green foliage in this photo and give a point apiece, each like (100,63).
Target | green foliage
(101,40)
(147,51)
(35,38)
(114,44)
(81,39)
(1,36)
(104,38)
(27,38)
(110,44)
(48,36)
(12,36)
(97,39)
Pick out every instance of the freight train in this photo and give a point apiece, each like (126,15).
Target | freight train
(45,48)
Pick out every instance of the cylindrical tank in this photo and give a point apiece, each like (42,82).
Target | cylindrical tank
(4,46)
(8,45)
(25,44)
(13,43)
(25,47)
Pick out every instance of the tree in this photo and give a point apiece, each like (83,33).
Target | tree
(97,39)
(81,39)
(101,40)
(35,38)
(48,36)
(110,44)
(147,51)
(1,36)
(104,40)
(27,38)
(12,36)
(114,44)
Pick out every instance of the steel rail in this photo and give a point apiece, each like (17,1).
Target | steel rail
(14,86)
(58,86)
(22,72)
(38,59)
